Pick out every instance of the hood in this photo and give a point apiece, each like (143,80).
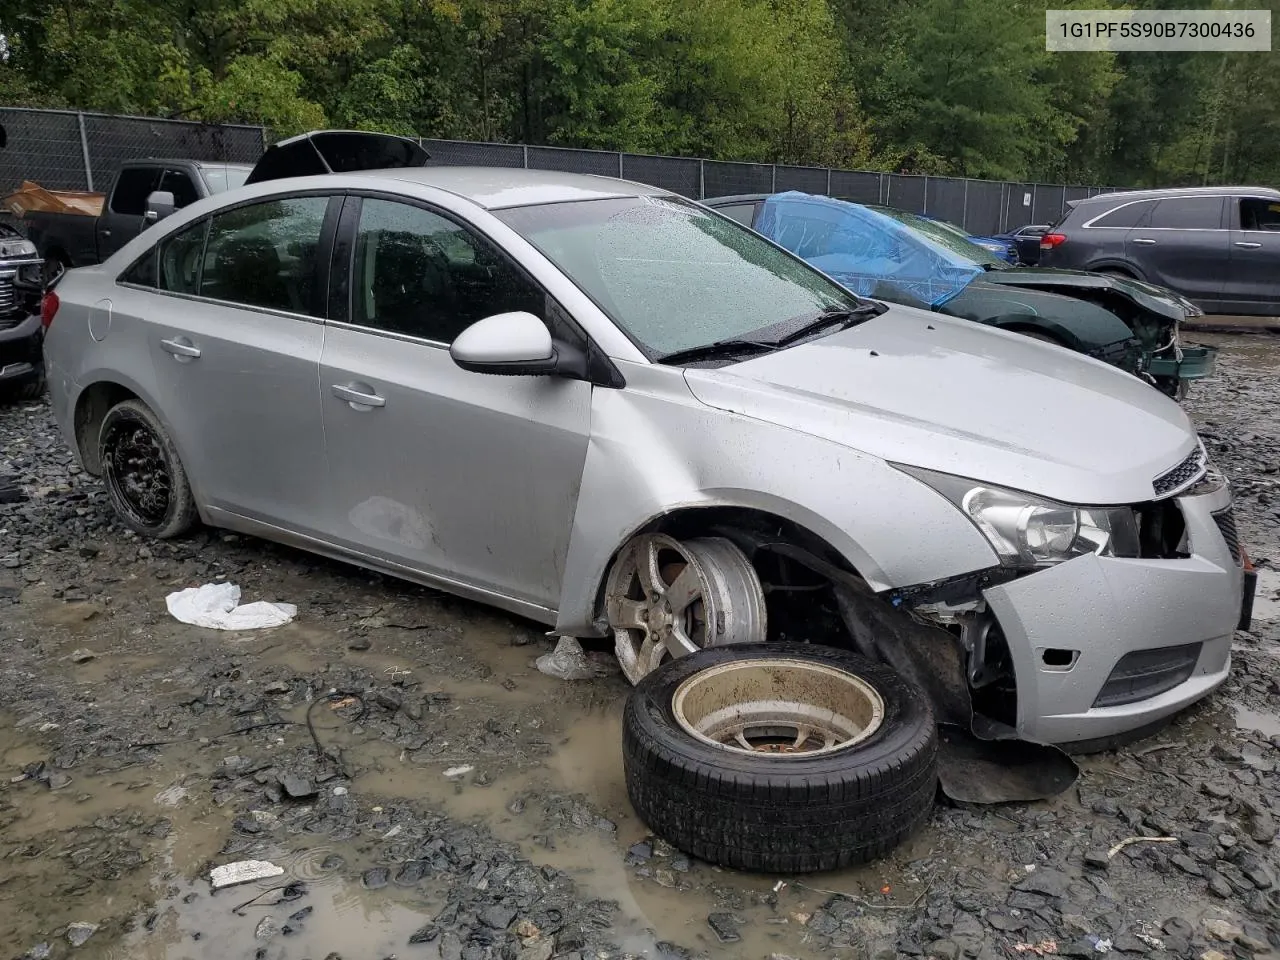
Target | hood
(1146,296)
(925,390)
(1079,323)
(336,151)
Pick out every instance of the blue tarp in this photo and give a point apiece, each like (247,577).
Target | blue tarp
(862,250)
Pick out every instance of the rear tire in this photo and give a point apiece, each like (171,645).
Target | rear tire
(778,808)
(143,473)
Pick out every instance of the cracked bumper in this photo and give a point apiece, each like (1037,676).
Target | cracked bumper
(1104,608)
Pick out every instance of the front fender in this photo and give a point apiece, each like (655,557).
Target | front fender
(655,451)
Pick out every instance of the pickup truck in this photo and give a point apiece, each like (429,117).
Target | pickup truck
(144,191)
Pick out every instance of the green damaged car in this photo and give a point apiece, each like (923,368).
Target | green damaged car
(904,258)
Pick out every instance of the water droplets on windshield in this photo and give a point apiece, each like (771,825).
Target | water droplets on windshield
(671,274)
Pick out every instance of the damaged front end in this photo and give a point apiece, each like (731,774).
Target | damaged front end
(1093,630)
(1153,314)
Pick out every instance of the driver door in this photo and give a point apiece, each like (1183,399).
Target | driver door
(465,476)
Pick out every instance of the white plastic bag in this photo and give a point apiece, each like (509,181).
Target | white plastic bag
(217,605)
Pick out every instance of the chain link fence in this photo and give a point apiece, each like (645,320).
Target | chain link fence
(82,151)
(63,150)
(981,206)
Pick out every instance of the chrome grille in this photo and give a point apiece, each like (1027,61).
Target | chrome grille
(8,295)
(1226,521)
(1180,476)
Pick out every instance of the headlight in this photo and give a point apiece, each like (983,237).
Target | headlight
(17,248)
(1028,531)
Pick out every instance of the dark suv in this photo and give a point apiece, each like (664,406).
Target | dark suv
(1218,246)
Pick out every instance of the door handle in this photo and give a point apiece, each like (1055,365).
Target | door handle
(358,395)
(181,348)
(1248,244)
(1146,242)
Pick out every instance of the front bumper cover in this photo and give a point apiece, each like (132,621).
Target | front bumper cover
(1102,608)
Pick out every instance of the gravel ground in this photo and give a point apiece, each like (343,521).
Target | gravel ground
(428,793)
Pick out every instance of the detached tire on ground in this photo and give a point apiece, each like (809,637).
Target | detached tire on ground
(780,757)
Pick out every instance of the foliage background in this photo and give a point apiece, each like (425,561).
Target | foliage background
(961,87)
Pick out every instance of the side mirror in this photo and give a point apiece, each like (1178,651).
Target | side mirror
(515,344)
(159,205)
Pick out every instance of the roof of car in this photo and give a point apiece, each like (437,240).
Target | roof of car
(1266,192)
(152,161)
(736,198)
(496,187)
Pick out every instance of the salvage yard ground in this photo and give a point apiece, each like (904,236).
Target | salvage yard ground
(468,807)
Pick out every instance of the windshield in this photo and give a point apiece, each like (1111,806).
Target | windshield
(671,274)
(222,179)
(945,235)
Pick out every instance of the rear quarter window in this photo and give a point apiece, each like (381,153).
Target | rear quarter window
(1130,214)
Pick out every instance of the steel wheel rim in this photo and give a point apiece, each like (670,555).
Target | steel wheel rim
(778,708)
(664,598)
(138,471)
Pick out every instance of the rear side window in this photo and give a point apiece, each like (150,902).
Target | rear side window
(265,254)
(1259,214)
(1135,214)
(1187,213)
(133,186)
(179,259)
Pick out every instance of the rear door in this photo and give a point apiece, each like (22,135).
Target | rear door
(121,221)
(1253,272)
(234,334)
(1183,244)
(468,476)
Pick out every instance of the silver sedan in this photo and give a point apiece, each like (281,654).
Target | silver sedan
(604,407)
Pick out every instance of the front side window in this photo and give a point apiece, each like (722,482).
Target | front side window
(1260,214)
(671,274)
(1187,213)
(132,188)
(265,254)
(179,184)
(420,274)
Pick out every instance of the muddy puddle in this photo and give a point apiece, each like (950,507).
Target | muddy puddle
(1266,600)
(566,810)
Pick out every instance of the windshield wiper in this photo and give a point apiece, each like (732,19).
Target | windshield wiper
(841,318)
(721,349)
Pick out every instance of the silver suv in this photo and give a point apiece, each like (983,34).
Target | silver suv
(1219,246)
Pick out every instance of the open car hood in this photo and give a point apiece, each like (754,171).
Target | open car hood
(1146,296)
(336,151)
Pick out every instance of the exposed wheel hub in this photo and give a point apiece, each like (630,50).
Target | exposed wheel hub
(136,466)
